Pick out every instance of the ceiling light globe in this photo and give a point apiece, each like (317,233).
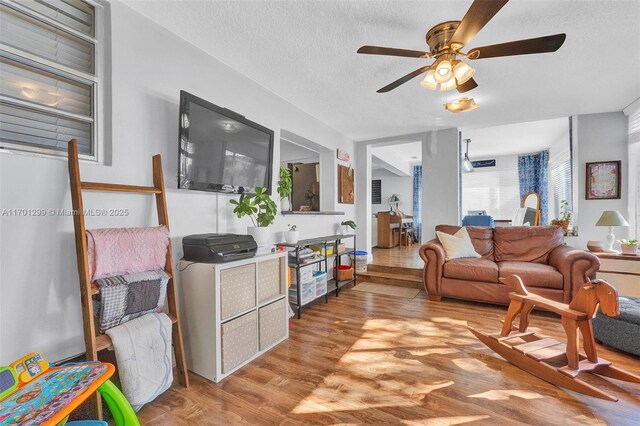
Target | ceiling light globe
(467,166)
(429,81)
(448,85)
(444,71)
(463,72)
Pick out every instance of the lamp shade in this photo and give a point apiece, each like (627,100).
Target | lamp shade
(463,72)
(611,218)
(444,71)
(429,82)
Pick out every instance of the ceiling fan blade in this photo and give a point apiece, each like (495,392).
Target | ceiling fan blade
(390,51)
(468,85)
(480,12)
(404,79)
(521,47)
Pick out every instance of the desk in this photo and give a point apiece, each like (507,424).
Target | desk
(391,227)
(622,271)
(50,397)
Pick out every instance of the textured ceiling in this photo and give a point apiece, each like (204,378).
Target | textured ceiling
(305,52)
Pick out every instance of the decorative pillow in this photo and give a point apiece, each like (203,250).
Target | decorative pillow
(458,245)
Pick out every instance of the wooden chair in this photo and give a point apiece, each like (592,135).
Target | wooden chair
(94,341)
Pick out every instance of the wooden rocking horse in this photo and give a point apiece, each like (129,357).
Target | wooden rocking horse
(550,359)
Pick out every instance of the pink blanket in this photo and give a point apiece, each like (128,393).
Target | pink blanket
(119,251)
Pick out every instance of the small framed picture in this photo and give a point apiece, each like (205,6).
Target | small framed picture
(603,180)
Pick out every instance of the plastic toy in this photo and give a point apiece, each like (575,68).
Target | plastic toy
(35,393)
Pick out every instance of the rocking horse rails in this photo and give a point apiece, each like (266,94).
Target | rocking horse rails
(541,355)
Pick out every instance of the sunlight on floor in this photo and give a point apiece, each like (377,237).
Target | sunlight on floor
(472,365)
(444,421)
(384,367)
(504,394)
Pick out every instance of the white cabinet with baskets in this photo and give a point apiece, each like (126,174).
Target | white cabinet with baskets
(232,312)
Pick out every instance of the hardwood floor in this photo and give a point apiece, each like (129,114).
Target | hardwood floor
(370,359)
(402,257)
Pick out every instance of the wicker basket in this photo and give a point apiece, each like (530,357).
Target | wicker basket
(344,274)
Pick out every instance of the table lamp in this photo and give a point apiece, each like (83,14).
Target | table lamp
(611,218)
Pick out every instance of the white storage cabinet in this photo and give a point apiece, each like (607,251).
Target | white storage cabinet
(232,312)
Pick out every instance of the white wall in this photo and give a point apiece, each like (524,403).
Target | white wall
(40,303)
(402,186)
(599,137)
(440,181)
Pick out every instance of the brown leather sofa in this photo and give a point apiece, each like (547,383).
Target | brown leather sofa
(536,253)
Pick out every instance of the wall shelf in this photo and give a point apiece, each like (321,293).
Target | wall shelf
(312,213)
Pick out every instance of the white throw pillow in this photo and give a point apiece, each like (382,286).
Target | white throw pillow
(458,245)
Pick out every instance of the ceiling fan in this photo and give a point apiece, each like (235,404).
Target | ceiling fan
(445,42)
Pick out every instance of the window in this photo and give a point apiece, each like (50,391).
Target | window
(634,174)
(493,189)
(561,181)
(560,176)
(49,79)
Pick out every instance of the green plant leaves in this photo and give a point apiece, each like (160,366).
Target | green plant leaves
(284,182)
(259,207)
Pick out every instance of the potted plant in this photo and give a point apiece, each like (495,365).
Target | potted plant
(292,235)
(565,216)
(261,209)
(629,246)
(345,226)
(285,186)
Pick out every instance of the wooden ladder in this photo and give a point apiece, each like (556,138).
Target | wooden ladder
(94,341)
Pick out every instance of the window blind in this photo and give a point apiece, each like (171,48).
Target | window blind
(562,188)
(48,80)
(495,191)
(634,174)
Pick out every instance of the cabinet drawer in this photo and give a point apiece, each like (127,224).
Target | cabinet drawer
(270,284)
(273,323)
(237,290)
(239,340)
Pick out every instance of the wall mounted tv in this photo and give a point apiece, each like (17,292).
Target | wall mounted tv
(220,150)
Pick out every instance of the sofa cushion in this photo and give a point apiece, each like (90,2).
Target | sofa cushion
(472,270)
(481,237)
(458,245)
(526,243)
(532,274)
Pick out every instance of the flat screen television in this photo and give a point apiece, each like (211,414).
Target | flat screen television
(220,150)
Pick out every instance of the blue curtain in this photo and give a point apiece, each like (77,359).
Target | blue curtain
(417,201)
(533,174)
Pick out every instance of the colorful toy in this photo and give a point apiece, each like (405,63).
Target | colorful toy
(8,381)
(28,367)
(37,394)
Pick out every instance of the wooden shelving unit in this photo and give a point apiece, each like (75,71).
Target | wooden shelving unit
(333,285)
(94,341)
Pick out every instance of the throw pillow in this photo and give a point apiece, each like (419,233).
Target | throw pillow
(458,245)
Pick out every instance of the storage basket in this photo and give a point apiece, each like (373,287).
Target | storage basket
(344,273)
(239,340)
(272,326)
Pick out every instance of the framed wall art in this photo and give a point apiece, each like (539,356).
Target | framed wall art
(603,180)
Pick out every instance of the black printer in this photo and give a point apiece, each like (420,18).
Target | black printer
(218,248)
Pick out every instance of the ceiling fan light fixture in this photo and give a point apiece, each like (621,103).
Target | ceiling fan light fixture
(463,72)
(448,85)
(429,81)
(444,71)
(461,105)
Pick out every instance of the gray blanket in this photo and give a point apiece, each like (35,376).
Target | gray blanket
(125,297)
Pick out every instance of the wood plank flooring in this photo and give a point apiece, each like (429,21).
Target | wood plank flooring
(402,257)
(371,359)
